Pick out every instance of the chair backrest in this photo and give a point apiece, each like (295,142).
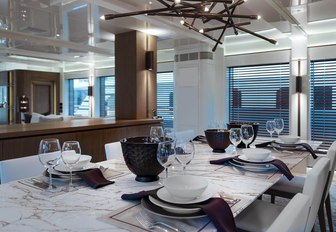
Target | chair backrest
(293,217)
(20,168)
(313,187)
(332,157)
(185,135)
(113,150)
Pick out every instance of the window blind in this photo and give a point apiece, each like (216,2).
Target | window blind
(165,98)
(107,96)
(78,97)
(323,101)
(258,94)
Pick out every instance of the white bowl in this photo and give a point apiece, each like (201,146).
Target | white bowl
(84,160)
(257,154)
(186,187)
(289,138)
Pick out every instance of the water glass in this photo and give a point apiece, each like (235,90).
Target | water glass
(156,132)
(49,154)
(270,127)
(71,152)
(235,137)
(278,125)
(247,134)
(166,154)
(184,153)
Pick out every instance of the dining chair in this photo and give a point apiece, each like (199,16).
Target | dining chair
(261,215)
(20,168)
(287,189)
(185,135)
(113,150)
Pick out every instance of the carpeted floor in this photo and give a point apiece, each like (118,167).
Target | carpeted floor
(283,201)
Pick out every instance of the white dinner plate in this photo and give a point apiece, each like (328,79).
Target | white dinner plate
(63,168)
(172,208)
(164,195)
(244,158)
(253,168)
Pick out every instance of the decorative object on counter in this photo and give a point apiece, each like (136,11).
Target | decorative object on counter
(255,126)
(140,155)
(218,139)
(24,108)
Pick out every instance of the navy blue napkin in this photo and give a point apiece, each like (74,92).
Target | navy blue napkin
(276,162)
(216,208)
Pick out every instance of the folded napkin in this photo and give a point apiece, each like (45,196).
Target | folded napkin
(94,177)
(216,208)
(277,163)
(200,138)
(305,145)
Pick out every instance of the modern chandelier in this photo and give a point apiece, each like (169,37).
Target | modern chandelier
(204,11)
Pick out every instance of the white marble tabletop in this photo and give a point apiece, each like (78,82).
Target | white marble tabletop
(23,208)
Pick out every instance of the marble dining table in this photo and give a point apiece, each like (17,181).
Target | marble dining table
(24,207)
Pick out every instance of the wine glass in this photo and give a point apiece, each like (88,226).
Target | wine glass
(156,132)
(247,134)
(71,153)
(184,153)
(235,137)
(278,125)
(49,154)
(270,127)
(166,154)
(169,133)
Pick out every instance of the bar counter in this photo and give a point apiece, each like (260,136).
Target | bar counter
(21,140)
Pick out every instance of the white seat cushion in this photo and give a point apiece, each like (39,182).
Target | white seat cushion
(293,186)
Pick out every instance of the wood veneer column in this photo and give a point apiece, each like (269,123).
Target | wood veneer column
(135,86)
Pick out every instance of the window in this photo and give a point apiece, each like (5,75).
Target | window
(258,94)
(165,98)
(323,101)
(107,96)
(78,97)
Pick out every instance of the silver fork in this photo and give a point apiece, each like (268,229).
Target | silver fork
(148,223)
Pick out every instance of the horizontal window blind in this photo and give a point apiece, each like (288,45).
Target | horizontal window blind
(258,94)
(78,97)
(107,96)
(165,98)
(323,101)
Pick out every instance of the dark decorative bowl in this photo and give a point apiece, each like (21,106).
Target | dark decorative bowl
(140,157)
(218,139)
(255,126)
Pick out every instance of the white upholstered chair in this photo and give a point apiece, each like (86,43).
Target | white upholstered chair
(288,189)
(113,150)
(20,168)
(260,215)
(185,135)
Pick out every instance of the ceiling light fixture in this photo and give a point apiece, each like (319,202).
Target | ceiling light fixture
(204,11)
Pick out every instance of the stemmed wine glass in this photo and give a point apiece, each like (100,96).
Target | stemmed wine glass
(278,125)
(235,137)
(71,153)
(247,134)
(166,155)
(185,151)
(49,154)
(156,132)
(169,133)
(270,127)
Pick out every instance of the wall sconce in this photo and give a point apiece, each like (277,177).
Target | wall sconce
(24,104)
(298,84)
(149,60)
(90,91)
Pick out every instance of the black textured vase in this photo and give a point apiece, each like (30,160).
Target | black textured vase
(140,157)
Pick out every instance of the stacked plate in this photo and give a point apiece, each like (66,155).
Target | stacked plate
(166,205)
(253,159)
